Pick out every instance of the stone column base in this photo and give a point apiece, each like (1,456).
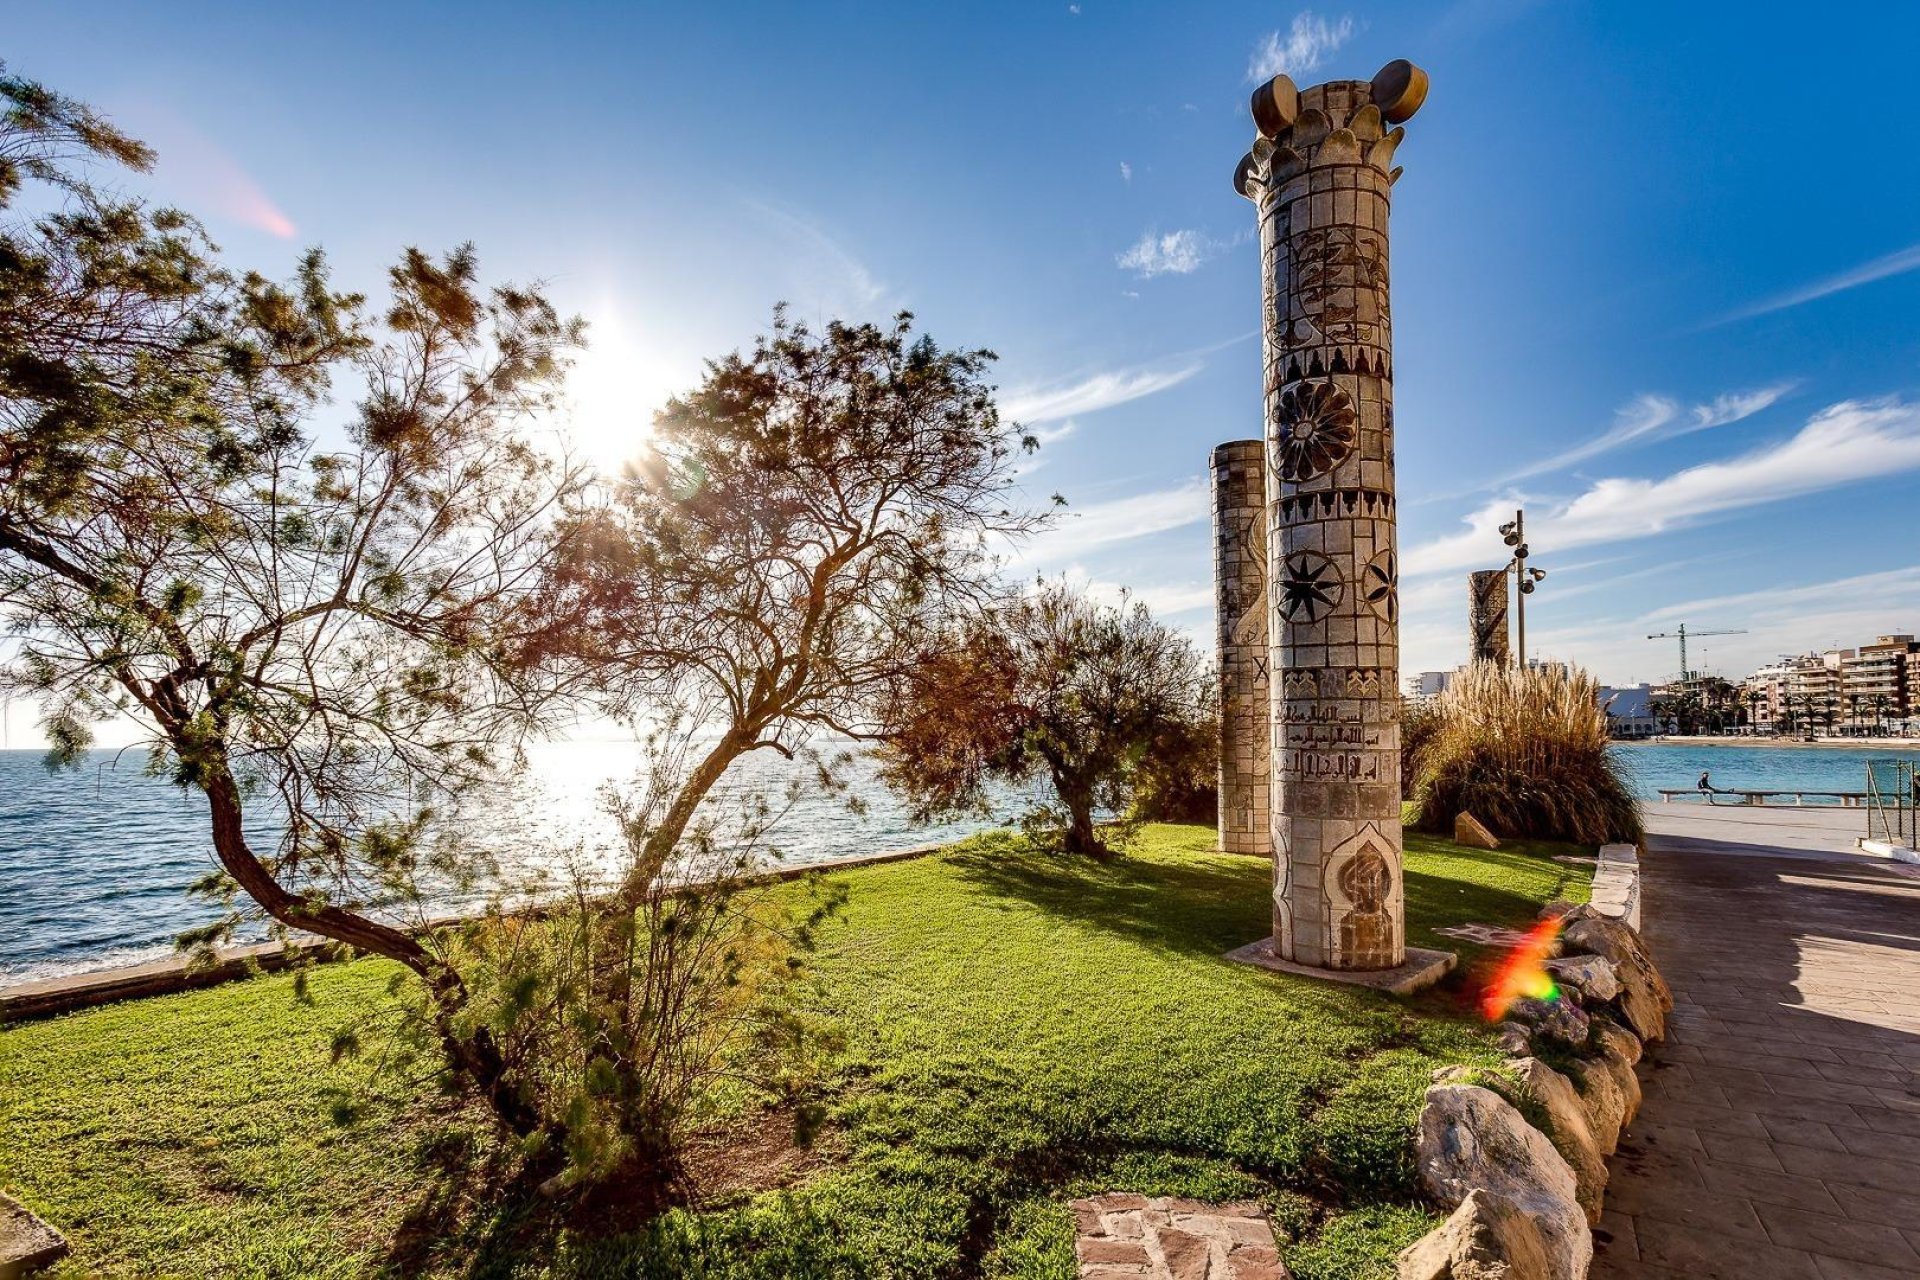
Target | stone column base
(1422,969)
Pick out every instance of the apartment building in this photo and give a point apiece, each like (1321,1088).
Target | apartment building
(1873,682)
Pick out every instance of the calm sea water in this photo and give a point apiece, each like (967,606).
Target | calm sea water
(1740,768)
(94,863)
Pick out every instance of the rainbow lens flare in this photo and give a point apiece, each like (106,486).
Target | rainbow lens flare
(1523,973)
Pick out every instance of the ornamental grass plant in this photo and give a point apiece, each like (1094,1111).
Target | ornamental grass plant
(1526,752)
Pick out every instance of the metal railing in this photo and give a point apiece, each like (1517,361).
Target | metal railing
(1893,802)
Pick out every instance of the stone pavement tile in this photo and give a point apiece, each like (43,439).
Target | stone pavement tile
(1770,1188)
(1840,1238)
(1866,1142)
(1847,1269)
(1805,1133)
(1614,1236)
(1855,1073)
(1691,1114)
(1708,1255)
(1826,1090)
(1882,1120)
(1889,1208)
(1755,1153)
(1798,1108)
(1905,1100)
(1696,1207)
(1770,1064)
(1848,1168)
(1675,1137)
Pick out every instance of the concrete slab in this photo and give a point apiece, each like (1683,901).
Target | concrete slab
(1422,969)
(27,1244)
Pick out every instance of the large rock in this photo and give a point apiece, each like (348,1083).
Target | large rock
(1611,1036)
(1471,832)
(1644,998)
(1559,1019)
(1471,1139)
(1591,976)
(1485,1239)
(1567,1126)
(1611,1093)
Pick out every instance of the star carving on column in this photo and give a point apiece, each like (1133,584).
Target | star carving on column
(1310,587)
(1380,585)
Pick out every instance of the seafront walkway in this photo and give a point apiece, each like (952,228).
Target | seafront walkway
(1780,1133)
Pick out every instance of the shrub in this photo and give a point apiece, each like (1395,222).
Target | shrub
(1525,751)
(1419,726)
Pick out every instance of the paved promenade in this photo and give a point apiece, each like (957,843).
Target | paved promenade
(1780,1136)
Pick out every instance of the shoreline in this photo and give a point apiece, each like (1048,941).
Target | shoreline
(1730,740)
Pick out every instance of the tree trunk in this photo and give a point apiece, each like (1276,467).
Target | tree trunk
(1081,836)
(478,1058)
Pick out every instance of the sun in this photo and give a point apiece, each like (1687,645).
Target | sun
(613,390)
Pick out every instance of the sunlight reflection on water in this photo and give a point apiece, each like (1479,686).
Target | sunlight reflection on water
(94,863)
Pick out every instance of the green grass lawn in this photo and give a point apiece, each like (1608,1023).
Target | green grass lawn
(1020,1028)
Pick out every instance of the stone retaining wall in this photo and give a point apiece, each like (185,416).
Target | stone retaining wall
(51,996)
(1519,1154)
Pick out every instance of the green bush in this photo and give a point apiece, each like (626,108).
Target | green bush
(1524,751)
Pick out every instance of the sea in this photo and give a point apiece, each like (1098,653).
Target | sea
(95,861)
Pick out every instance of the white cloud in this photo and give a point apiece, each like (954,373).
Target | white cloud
(1735,405)
(1098,391)
(1778,619)
(1175,253)
(1842,444)
(1650,417)
(1310,41)
(1126,172)
(1079,530)
(1893,264)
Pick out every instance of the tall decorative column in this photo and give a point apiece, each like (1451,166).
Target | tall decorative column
(1319,173)
(1487,616)
(1240,619)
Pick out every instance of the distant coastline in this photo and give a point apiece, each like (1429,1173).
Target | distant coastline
(1733,740)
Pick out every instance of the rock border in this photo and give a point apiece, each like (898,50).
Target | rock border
(1518,1154)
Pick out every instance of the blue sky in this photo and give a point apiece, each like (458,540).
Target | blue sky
(1656,266)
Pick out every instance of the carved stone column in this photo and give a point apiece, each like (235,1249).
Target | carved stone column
(1240,595)
(1487,616)
(1320,173)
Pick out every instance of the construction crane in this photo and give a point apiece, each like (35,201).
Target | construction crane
(1681,635)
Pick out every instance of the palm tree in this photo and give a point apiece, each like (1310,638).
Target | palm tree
(1880,704)
(1756,698)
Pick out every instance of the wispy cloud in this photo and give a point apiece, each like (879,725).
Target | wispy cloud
(823,272)
(1310,41)
(1893,264)
(1735,405)
(1842,444)
(205,172)
(1090,394)
(1174,253)
(1167,599)
(1126,172)
(1082,529)
(1650,417)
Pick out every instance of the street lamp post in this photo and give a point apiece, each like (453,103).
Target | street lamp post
(1515,534)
